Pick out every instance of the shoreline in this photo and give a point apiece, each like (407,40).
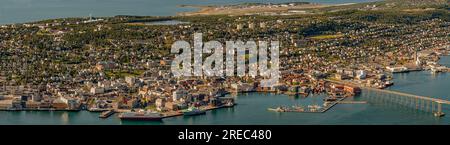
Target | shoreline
(242,9)
(199,8)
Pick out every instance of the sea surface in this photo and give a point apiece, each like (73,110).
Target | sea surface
(21,11)
(252,109)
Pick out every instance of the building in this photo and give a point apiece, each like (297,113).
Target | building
(341,76)
(60,103)
(251,25)
(105,65)
(178,94)
(32,105)
(130,80)
(6,104)
(397,69)
(262,25)
(361,74)
(351,89)
(159,103)
(97,90)
(171,106)
(239,27)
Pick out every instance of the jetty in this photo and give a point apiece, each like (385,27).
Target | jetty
(106,114)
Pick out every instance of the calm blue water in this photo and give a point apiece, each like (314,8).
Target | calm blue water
(252,109)
(19,11)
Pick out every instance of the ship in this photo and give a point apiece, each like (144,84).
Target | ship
(141,116)
(193,111)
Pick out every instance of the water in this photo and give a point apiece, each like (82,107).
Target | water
(252,109)
(20,11)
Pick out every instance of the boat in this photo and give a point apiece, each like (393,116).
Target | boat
(314,108)
(298,108)
(435,70)
(389,83)
(278,109)
(329,99)
(141,116)
(439,114)
(193,111)
(229,104)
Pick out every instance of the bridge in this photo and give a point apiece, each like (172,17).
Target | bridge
(427,104)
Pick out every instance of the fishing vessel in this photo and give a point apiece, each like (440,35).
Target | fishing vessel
(141,116)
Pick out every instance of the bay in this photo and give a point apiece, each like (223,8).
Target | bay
(21,11)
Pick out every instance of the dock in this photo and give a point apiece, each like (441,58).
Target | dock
(106,114)
(309,110)
(352,102)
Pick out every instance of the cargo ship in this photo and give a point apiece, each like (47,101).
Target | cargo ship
(193,111)
(141,116)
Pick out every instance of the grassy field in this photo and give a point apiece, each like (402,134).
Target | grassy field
(327,36)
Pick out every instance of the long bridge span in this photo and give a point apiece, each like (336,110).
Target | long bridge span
(424,103)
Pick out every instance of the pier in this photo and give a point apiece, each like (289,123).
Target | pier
(107,114)
(311,110)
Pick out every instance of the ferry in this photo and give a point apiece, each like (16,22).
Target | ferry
(141,116)
(193,111)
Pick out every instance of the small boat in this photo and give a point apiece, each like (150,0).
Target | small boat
(278,109)
(439,114)
(329,99)
(297,108)
(141,116)
(229,104)
(389,83)
(314,108)
(193,111)
(435,70)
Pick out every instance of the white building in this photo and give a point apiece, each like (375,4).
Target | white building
(397,69)
(251,25)
(178,94)
(130,80)
(361,74)
(97,90)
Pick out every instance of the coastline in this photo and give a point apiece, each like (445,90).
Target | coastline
(253,9)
